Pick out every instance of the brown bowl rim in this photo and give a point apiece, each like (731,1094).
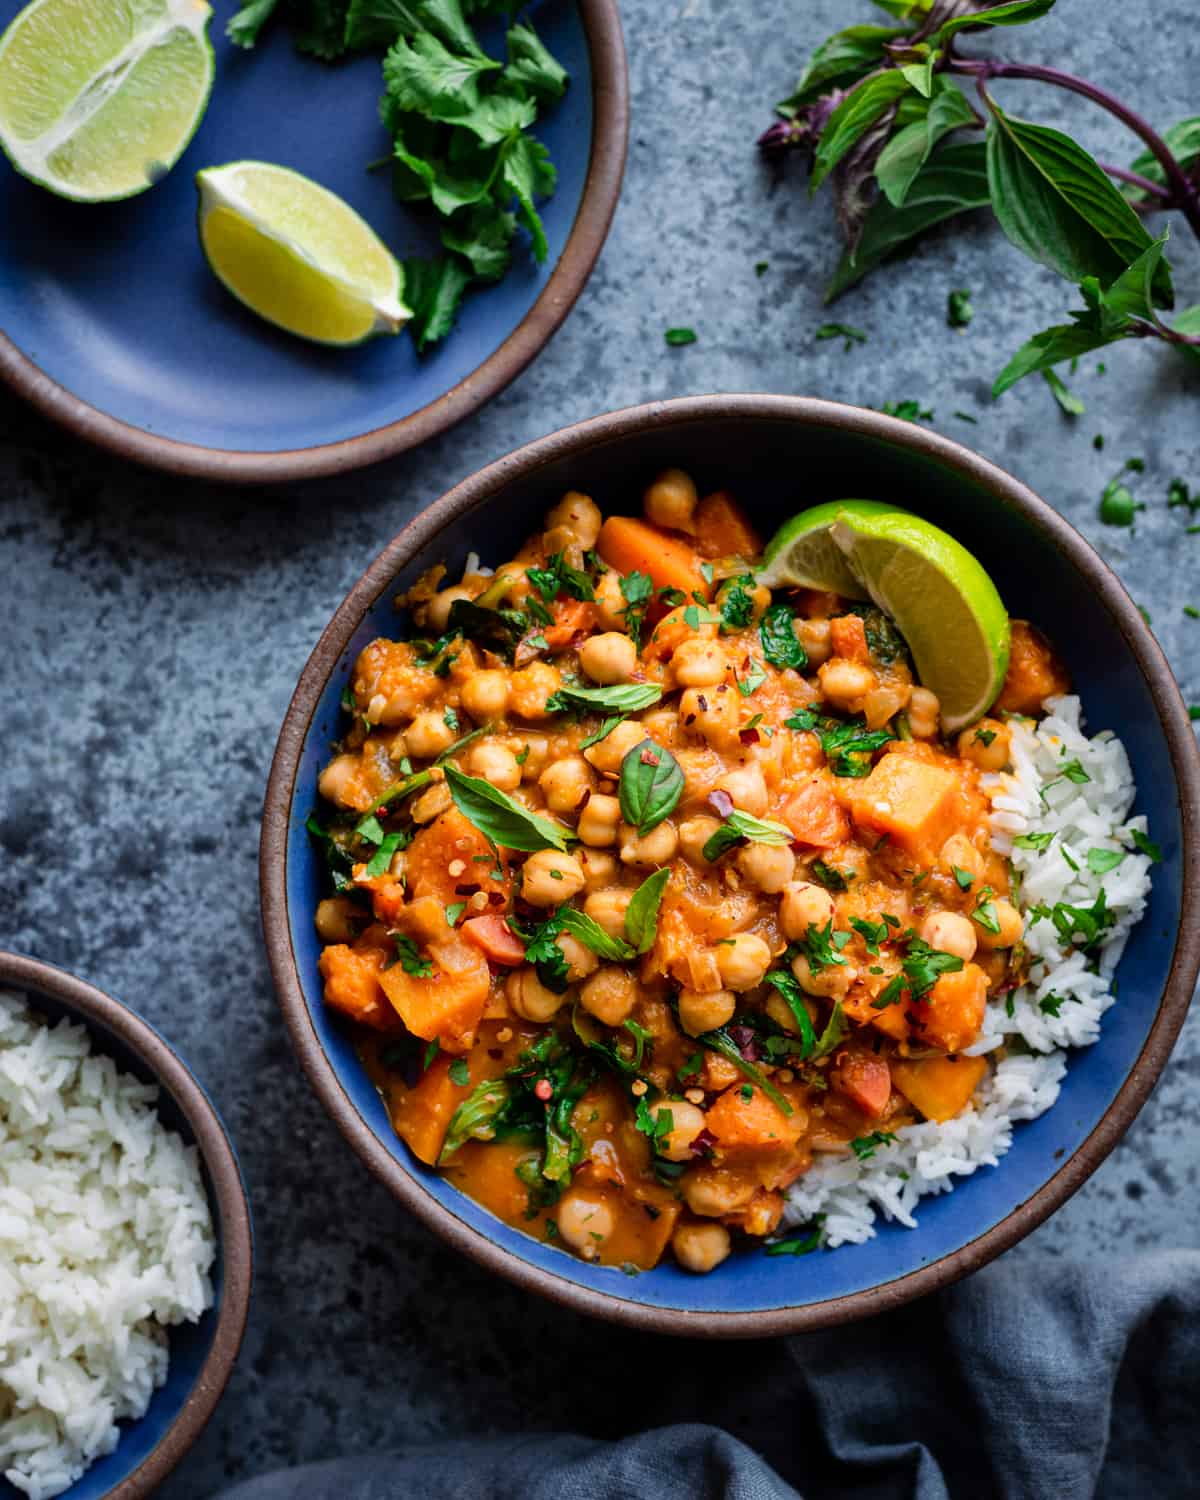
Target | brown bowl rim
(34,976)
(575,441)
(601,190)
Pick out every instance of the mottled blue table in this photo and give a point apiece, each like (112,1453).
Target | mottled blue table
(153,631)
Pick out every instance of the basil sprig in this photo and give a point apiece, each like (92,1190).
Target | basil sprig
(641,915)
(499,818)
(650,786)
(740,825)
(621,697)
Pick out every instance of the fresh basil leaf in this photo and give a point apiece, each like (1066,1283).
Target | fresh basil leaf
(841,60)
(781,646)
(851,120)
(1063,394)
(650,787)
(641,915)
(909,149)
(593,936)
(606,728)
(740,825)
(1132,294)
(1055,204)
(1183,142)
(920,74)
(477,1117)
(382,857)
(836,1031)
(952,182)
(1051,347)
(501,820)
(622,697)
(1012,13)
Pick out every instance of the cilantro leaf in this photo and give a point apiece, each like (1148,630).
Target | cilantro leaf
(781,646)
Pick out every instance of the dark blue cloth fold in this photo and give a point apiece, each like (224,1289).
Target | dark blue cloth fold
(1033,1380)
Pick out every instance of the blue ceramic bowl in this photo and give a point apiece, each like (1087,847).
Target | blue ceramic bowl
(116,326)
(202,1354)
(779,454)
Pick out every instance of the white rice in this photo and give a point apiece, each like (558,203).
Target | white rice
(105,1239)
(1082,815)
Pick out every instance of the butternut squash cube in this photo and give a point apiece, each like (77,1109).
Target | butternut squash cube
(447,1005)
(940,1087)
(950,1015)
(913,802)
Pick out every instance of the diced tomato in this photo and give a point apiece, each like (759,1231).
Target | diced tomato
(864,1078)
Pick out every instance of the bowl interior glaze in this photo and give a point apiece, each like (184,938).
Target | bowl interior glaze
(192,1345)
(779,455)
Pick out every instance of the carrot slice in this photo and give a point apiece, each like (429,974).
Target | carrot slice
(630,546)
(496,938)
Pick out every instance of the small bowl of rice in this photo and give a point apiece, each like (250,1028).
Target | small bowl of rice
(126,1256)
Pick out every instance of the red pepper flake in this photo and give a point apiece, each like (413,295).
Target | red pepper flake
(465,890)
(721,802)
(748,736)
(544,1090)
(496,1052)
(703,702)
(497,898)
(649,756)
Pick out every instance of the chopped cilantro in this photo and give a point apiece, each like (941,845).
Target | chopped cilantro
(845,331)
(1147,845)
(832,879)
(410,958)
(959,311)
(676,337)
(864,1146)
(460,1074)
(964,877)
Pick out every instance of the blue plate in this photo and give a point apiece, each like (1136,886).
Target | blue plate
(189,1392)
(116,325)
(779,455)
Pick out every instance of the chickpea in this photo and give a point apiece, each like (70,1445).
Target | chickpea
(428,735)
(609,995)
(987,744)
(700,1247)
(923,713)
(831,983)
(531,686)
(712,1193)
(950,932)
(743,960)
(607,909)
(694,833)
(495,763)
(712,714)
(814,636)
(845,682)
(609,657)
(339,781)
(485,695)
(432,803)
(747,788)
(581,961)
(699,663)
(335,919)
(767,867)
(804,905)
(611,603)
(1012,924)
(959,850)
(564,783)
(529,997)
(687,1121)
(599,821)
(578,514)
(534,753)
(550,878)
(654,848)
(585,1222)
(599,868)
(671,500)
(437,611)
(608,753)
(699,1013)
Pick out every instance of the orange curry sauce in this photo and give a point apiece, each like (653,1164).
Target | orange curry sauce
(624,1103)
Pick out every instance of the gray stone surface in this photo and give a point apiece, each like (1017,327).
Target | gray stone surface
(153,630)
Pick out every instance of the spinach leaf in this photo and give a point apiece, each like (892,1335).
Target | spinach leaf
(650,786)
(477,1117)
(781,646)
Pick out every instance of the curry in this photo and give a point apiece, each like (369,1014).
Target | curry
(647,884)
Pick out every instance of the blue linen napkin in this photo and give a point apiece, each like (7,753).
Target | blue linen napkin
(1036,1379)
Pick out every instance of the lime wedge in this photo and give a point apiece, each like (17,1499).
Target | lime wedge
(298,255)
(945,605)
(803,554)
(99,98)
